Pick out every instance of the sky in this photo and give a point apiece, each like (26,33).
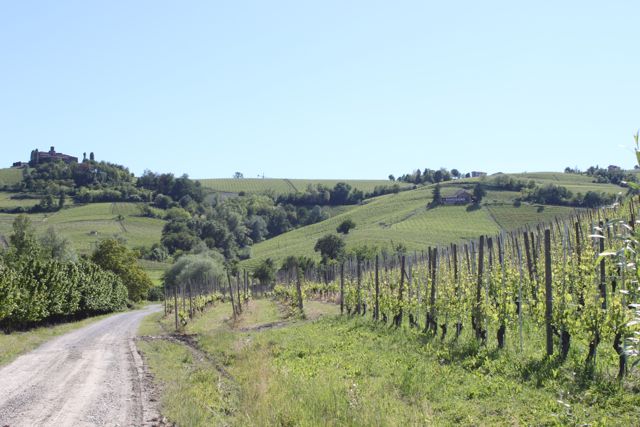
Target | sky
(322,89)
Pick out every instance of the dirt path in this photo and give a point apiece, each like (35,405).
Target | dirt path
(92,376)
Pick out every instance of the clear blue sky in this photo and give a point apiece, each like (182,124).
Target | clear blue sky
(322,89)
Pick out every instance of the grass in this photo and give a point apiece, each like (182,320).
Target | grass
(10,176)
(404,217)
(7,202)
(352,372)
(574,182)
(401,217)
(85,225)
(155,270)
(17,343)
(283,185)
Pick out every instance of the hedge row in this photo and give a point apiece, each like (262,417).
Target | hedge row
(34,291)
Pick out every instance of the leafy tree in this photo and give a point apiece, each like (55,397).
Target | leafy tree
(56,246)
(265,272)
(437,196)
(478,193)
(455,173)
(112,256)
(23,238)
(238,175)
(331,247)
(392,178)
(345,226)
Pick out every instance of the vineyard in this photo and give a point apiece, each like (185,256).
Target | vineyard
(403,217)
(572,284)
(85,225)
(278,186)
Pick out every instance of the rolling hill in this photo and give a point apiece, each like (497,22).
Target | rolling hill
(283,185)
(404,217)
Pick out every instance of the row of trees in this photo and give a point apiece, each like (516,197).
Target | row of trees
(43,280)
(429,176)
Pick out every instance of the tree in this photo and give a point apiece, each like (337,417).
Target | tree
(345,226)
(437,196)
(392,178)
(455,173)
(62,199)
(330,246)
(478,193)
(23,238)
(112,256)
(265,272)
(238,175)
(57,246)
(92,157)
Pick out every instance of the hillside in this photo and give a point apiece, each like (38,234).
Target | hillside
(283,185)
(84,225)
(10,176)
(404,217)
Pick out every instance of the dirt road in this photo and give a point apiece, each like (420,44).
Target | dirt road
(92,376)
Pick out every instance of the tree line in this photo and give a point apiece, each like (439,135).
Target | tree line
(43,280)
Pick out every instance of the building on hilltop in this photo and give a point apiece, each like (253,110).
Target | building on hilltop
(478,174)
(461,197)
(50,156)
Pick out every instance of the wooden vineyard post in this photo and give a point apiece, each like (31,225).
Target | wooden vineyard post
(233,303)
(433,321)
(175,304)
(456,279)
(548,291)
(603,274)
(164,295)
(477,315)
(398,318)
(519,294)
(503,327)
(299,289)
(527,252)
(190,300)
(358,286)
(342,287)
(376,307)
(239,305)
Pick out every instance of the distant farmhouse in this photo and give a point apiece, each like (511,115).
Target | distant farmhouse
(44,156)
(462,197)
(477,174)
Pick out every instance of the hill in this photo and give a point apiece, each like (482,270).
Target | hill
(282,185)
(404,217)
(10,176)
(84,225)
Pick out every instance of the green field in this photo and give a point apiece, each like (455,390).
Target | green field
(7,202)
(284,186)
(9,176)
(573,182)
(350,371)
(86,225)
(404,217)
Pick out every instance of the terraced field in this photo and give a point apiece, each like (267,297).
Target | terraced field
(86,225)
(9,176)
(7,202)
(283,185)
(573,182)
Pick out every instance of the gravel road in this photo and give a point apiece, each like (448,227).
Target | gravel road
(92,376)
